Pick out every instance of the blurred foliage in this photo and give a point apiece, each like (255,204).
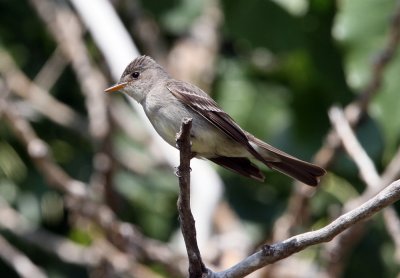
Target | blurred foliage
(279,69)
(362,36)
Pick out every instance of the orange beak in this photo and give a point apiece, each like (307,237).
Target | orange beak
(116,87)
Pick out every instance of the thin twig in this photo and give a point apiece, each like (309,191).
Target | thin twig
(51,70)
(193,56)
(337,250)
(67,31)
(392,223)
(353,147)
(196,265)
(392,170)
(355,110)
(40,99)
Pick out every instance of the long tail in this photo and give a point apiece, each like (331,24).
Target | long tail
(278,160)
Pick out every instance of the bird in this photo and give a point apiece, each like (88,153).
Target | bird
(214,134)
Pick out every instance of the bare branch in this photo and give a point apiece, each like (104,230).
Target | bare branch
(65,28)
(298,202)
(67,32)
(196,265)
(106,28)
(51,70)
(281,250)
(391,173)
(392,170)
(40,99)
(116,264)
(392,223)
(123,235)
(94,256)
(270,253)
(355,110)
(366,166)
(274,252)
(18,261)
(193,56)
(337,250)
(39,152)
(62,248)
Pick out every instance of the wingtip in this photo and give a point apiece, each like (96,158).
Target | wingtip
(260,177)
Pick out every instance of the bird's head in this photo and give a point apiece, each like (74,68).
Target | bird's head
(139,78)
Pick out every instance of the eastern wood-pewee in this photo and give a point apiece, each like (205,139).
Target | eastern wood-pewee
(214,134)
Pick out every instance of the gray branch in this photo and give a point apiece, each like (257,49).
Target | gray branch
(196,265)
(269,253)
(278,251)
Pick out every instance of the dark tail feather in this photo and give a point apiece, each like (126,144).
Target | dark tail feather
(300,170)
(240,165)
(278,160)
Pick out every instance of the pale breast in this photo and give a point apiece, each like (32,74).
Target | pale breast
(207,140)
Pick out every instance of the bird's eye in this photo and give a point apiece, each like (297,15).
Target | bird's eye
(135,74)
